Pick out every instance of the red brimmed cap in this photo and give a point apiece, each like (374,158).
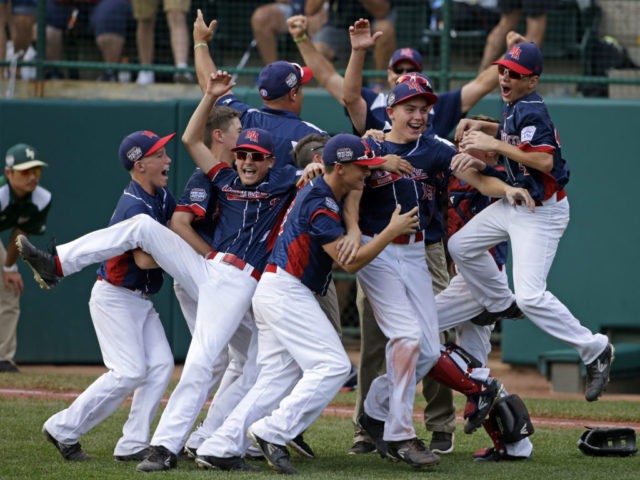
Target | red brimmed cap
(140,144)
(524,58)
(410,86)
(347,148)
(255,139)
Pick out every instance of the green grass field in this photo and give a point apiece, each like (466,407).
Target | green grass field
(26,455)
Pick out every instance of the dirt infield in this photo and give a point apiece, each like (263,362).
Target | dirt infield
(525,381)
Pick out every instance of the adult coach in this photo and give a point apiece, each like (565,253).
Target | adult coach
(24,206)
(529,145)
(280,86)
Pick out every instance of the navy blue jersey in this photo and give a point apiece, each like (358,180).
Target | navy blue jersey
(430,157)
(122,270)
(198,199)
(527,125)
(443,117)
(250,215)
(285,127)
(313,220)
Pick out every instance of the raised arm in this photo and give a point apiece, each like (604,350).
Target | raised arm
(361,41)
(219,83)
(323,70)
(203,34)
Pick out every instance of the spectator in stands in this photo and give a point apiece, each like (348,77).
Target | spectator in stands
(467,14)
(270,20)
(511,11)
(18,16)
(176,11)
(109,20)
(333,38)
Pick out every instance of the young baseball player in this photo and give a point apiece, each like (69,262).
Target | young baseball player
(283,403)
(131,337)
(24,207)
(280,85)
(398,284)
(531,155)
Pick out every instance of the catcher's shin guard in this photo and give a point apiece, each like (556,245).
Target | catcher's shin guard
(452,370)
(508,422)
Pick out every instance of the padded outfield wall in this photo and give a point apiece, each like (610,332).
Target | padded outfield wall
(594,272)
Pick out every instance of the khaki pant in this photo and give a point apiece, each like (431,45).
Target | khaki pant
(439,414)
(9,314)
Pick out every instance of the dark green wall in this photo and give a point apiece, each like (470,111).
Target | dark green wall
(594,273)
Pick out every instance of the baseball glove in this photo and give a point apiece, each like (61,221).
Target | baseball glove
(608,442)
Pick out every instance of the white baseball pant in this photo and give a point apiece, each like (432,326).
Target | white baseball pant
(534,238)
(224,296)
(136,352)
(282,404)
(398,285)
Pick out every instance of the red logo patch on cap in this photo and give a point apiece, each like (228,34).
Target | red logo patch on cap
(252,136)
(406,52)
(515,52)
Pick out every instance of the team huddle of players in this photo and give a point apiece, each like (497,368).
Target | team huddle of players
(272,206)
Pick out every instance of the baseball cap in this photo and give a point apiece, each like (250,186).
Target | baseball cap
(278,78)
(255,139)
(524,58)
(22,157)
(412,85)
(140,144)
(347,148)
(408,54)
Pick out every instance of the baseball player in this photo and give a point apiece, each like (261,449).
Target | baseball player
(398,283)
(531,155)
(131,337)
(24,207)
(280,86)
(283,402)
(194,220)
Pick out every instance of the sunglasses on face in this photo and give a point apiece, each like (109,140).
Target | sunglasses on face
(37,171)
(512,75)
(412,77)
(255,156)
(401,70)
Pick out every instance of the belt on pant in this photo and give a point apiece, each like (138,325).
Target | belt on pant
(235,261)
(271,268)
(555,198)
(136,290)
(402,239)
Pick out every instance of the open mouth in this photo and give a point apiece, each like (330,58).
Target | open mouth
(416,126)
(165,172)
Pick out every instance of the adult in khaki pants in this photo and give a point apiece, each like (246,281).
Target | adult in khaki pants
(24,206)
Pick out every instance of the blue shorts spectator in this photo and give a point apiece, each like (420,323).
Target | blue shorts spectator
(22,7)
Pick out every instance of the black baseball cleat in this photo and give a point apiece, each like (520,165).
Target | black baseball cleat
(72,452)
(188,453)
(361,447)
(7,366)
(159,459)
(484,401)
(375,430)
(209,462)
(43,264)
(133,457)
(513,312)
(277,455)
(495,455)
(441,442)
(301,447)
(414,453)
(598,374)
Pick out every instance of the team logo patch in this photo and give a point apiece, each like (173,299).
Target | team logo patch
(391,99)
(406,52)
(197,195)
(291,80)
(515,52)
(252,136)
(527,134)
(264,93)
(344,154)
(10,160)
(134,154)
(331,204)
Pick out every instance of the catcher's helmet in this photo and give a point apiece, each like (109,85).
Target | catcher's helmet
(608,442)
